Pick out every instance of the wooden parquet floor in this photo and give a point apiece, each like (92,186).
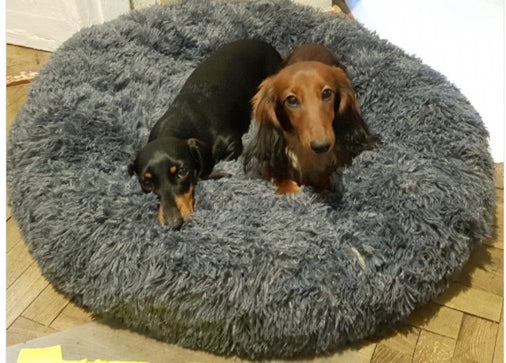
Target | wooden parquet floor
(465,324)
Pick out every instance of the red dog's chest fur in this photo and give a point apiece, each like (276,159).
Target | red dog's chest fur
(310,168)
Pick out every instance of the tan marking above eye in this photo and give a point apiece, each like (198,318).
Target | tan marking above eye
(147,175)
(173,169)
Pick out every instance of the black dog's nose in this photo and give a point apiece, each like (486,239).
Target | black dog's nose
(175,221)
(320,146)
(169,217)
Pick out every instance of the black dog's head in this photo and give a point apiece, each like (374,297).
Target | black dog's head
(170,168)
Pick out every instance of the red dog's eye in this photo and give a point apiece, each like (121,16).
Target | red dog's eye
(292,101)
(327,94)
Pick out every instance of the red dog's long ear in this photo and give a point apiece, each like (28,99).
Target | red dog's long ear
(264,103)
(346,101)
(266,151)
(268,108)
(349,126)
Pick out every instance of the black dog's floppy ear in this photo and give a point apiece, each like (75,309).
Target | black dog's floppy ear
(203,156)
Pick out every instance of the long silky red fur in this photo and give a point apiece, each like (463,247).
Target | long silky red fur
(278,133)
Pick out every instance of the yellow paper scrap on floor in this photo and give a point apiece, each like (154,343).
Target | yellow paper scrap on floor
(55,355)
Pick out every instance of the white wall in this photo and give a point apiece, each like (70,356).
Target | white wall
(45,24)
(462,39)
(325,5)
(139,4)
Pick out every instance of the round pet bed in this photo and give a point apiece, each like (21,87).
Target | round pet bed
(250,273)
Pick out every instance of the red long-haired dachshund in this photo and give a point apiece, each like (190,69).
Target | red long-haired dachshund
(308,122)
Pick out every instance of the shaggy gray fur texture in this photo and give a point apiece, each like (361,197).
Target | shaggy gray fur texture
(251,273)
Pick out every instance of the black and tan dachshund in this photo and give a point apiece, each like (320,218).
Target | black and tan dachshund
(203,125)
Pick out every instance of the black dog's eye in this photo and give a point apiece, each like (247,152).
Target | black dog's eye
(292,101)
(146,184)
(327,94)
(182,173)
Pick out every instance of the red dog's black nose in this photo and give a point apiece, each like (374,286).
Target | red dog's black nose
(320,146)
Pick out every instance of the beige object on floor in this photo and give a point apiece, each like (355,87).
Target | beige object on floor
(98,341)
(54,354)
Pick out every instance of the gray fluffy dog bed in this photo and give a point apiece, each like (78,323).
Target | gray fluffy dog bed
(251,273)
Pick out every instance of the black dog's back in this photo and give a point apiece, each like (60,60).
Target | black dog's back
(214,103)
(203,125)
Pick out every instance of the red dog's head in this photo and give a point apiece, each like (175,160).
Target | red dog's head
(309,102)
(307,109)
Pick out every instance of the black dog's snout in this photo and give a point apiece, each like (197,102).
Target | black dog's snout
(169,215)
(175,221)
(320,146)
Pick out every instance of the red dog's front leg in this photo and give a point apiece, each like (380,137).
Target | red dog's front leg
(286,186)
